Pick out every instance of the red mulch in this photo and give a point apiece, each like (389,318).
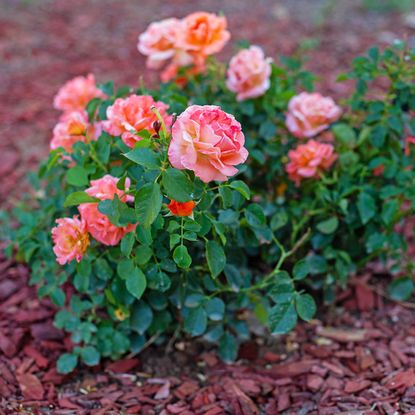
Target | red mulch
(359,359)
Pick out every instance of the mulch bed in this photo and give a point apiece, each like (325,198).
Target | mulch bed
(359,359)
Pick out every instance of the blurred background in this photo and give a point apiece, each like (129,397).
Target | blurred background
(43,43)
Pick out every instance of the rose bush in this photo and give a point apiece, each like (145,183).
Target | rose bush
(341,170)
(226,193)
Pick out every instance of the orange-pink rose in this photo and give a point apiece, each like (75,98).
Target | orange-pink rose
(309,114)
(74,127)
(309,160)
(203,34)
(70,238)
(76,93)
(208,141)
(98,225)
(158,42)
(128,116)
(248,74)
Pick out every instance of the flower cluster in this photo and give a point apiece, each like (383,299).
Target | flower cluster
(74,126)
(183,42)
(128,116)
(205,140)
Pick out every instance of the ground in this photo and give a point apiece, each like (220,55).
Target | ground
(357,359)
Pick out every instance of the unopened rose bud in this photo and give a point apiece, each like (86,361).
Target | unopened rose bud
(156,126)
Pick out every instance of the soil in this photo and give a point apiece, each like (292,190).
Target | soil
(357,359)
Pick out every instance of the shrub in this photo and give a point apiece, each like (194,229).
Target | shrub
(144,225)
(344,172)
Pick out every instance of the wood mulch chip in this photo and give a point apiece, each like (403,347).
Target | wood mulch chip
(354,361)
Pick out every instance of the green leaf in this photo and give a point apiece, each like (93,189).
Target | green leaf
(127,243)
(90,356)
(77,198)
(301,269)
(177,185)
(228,347)
(283,289)
(366,206)
(136,283)
(317,264)
(282,318)
(279,220)
(102,269)
(328,226)
(141,317)
(215,309)
(401,289)
(58,297)
(195,322)
(148,203)
(144,157)
(216,258)
(241,187)
(67,363)
(345,134)
(118,212)
(125,268)
(91,108)
(378,135)
(389,210)
(77,176)
(181,257)
(143,254)
(306,306)
(193,300)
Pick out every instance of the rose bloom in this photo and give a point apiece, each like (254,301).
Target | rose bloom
(203,34)
(70,238)
(72,128)
(309,114)
(158,42)
(98,225)
(248,74)
(127,116)
(181,208)
(208,141)
(307,160)
(76,93)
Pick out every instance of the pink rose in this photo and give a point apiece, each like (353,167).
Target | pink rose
(248,73)
(309,159)
(309,114)
(158,42)
(76,93)
(208,141)
(74,127)
(128,116)
(203,34)
(98,225)
(70,239)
